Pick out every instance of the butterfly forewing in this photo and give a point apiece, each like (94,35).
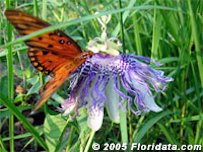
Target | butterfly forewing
(53,52)
(55,41)
(25,22)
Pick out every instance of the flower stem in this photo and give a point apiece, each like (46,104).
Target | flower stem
(89,141)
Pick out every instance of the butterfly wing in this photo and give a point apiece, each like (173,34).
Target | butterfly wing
(60,76)
(51,86)
(53,52)
(45,61)
(55,44)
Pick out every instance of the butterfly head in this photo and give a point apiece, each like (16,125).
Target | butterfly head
(83,56)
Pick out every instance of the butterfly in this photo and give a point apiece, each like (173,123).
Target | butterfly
(52,53)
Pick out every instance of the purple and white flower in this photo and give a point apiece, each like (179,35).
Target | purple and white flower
(109,79)
(101,80)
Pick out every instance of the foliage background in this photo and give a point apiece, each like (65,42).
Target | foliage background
(168,31)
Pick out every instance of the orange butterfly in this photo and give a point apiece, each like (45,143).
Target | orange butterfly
(53,52)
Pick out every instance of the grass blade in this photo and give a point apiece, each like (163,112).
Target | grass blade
(22,119)
(147,125)
(196,42)
(10,81)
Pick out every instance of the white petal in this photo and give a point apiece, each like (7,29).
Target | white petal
(95,118)
(148,99)
(68,106)
(112,103)
(149,103)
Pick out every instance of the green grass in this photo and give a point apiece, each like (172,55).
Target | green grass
(168,31)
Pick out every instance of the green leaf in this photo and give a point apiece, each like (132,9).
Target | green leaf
(84,129)
(36,85)
(53,128)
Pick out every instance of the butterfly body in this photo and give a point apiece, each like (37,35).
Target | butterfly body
(52,53)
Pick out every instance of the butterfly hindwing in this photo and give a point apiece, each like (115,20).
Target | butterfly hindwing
(60,76)
(51,86)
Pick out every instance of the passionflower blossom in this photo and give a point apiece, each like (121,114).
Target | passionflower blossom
(108,80)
